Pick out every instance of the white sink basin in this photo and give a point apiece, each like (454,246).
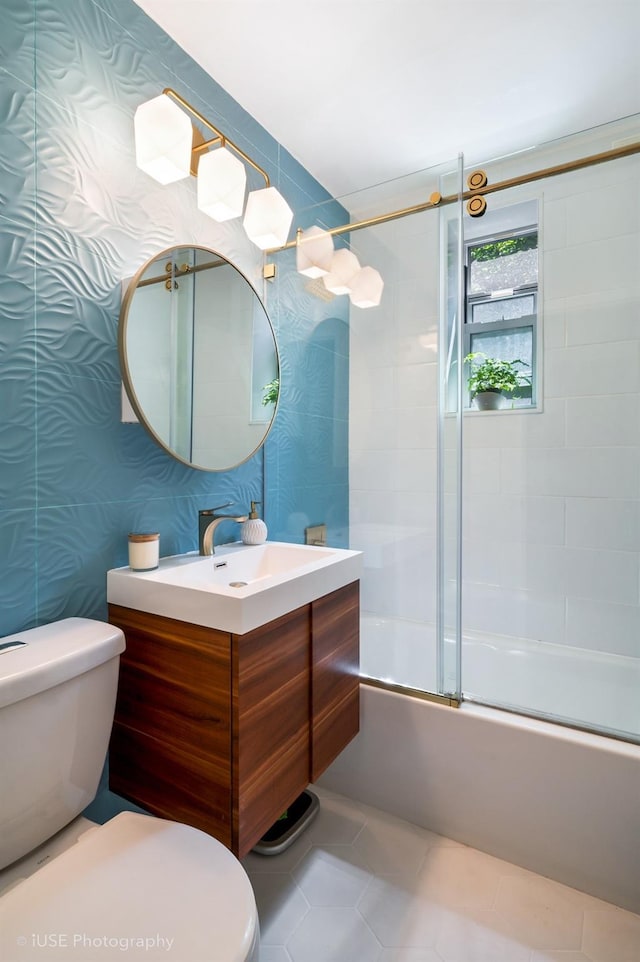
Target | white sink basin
(238,588)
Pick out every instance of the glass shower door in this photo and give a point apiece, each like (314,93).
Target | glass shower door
(393,422)
(551,485)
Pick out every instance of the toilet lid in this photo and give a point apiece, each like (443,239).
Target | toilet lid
(137,887)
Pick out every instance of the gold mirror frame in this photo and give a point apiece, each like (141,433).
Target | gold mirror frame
(245,350)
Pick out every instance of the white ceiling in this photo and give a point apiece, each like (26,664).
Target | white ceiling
(361,91)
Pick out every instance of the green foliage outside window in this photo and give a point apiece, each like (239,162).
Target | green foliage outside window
(501,248)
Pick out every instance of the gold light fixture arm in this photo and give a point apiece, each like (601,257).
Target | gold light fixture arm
(219,136)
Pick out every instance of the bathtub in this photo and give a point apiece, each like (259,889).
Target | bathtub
(559,801)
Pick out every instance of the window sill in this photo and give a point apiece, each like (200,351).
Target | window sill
(474,412)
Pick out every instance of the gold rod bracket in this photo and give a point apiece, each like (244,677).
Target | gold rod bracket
(170,283)
(269,272)
(476,205)
(477,179)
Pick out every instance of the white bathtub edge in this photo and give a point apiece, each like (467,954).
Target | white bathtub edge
(574,736)
(559,802)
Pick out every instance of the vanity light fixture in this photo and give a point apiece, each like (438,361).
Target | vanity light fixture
(366,288)
(344,267)
(314,252)
(163,140)
(340,270)
(222,180)
(169,147)
(267,217)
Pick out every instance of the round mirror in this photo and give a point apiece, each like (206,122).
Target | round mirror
(199,358)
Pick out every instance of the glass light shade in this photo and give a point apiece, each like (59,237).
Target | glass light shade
(222,179)
(314,252)
(163,134)
(344,267)
(366,288)
(267,218)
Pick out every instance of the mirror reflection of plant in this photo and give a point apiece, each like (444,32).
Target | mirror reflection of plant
(272,390)
(493,374)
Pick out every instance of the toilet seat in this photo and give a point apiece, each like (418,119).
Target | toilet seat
(137,887)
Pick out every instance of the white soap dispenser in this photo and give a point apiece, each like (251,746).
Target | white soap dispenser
(254,530)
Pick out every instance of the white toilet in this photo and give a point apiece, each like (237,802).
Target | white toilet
(137,887)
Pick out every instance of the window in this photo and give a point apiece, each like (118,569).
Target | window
(501,303)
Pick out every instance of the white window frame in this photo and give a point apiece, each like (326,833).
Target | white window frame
(470,327)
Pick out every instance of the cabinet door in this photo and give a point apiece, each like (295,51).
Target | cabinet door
(170,748)
(335,670)
(270,724)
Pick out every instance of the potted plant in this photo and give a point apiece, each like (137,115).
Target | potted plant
(491,379)
(272,390)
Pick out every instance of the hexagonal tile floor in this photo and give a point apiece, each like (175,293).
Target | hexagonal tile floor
(362,886)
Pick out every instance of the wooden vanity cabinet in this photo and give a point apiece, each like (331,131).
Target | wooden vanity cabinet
(270,723)
(224,731)
(335,670)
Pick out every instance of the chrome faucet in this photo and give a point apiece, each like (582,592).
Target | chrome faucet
(208,521)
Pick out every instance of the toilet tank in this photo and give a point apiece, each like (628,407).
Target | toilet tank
(57,698)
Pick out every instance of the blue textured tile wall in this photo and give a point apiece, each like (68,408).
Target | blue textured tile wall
(76,217)
(307,453)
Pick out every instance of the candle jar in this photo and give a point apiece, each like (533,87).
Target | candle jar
(144,551)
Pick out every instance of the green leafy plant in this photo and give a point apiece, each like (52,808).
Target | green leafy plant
(490,374)
(272,390)
(503,248)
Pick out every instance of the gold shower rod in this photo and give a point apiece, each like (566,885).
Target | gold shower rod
(173,271)
(436,200)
